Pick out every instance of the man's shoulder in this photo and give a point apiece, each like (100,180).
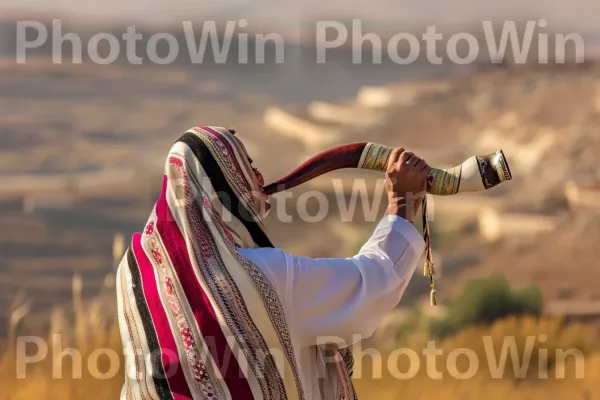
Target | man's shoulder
(271,261)
(263,253)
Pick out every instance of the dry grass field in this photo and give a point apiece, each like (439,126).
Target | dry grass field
(551,361)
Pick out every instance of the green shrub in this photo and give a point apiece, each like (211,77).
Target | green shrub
(484,301)
(440,328)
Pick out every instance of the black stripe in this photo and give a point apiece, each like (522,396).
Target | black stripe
(159,378)
(224,191)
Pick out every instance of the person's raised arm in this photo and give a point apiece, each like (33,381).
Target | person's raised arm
(343,300)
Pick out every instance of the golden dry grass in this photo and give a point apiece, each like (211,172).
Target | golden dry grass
(557,378)
(40,384)
(80,358)
(561,359)
(43,381)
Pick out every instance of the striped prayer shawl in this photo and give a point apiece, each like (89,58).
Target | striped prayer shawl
(197,320)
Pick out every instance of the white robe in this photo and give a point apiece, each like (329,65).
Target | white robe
(341,299)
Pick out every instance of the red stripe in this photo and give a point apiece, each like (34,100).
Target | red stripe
(204,313)
(168,348)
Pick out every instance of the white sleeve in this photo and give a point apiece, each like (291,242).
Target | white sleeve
(343,300)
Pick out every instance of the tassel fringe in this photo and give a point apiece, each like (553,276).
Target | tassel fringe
(429,269)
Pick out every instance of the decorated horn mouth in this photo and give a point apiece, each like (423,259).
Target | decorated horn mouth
(475,174)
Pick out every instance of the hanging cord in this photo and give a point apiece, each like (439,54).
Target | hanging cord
(429,265)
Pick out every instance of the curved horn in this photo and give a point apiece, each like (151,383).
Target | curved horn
(475,174)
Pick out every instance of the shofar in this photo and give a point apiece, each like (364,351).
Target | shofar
(476,174)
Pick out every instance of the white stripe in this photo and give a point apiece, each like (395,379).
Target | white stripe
(136,323)
(241,158)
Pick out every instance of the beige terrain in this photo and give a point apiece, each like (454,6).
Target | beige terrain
(82,151)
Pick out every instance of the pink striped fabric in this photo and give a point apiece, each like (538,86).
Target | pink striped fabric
(204,313)
(168,347)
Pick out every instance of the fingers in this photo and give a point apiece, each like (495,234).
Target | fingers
(406,157)
(400,157)
(417,164)
(421,165)
(395,156)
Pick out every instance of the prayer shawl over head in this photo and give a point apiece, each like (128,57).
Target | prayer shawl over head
(197,320)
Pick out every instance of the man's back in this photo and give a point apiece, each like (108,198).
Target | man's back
(340,300)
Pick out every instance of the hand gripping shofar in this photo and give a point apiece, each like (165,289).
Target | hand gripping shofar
(478,173)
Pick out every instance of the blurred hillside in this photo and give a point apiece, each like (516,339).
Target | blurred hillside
(542,226)
(83,149)
(83,146)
